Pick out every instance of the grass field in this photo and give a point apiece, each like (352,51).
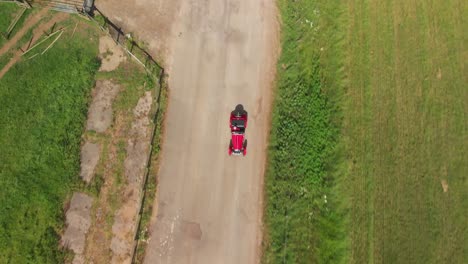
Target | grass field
(392,154)
(43,104)
(406,131)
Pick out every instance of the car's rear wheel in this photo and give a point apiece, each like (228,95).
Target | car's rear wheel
(244,151)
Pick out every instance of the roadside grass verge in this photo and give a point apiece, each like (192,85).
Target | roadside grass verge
(7,13)
(304,217)
(43,102)
(151,185)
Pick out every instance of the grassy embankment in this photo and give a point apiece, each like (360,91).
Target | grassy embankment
(43,105)
(401,185)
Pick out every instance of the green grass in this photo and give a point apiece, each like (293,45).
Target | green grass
(43,102)
(371,110)
(6,58)
(8,12)
(405,131)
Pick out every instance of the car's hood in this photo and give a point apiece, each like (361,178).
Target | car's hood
(237,141)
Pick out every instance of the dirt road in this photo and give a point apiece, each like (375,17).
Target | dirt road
(219,54)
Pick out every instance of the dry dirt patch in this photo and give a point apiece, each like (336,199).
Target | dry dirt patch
(111,54)
(90,153)
(445,185)
(78,221)
(100,111)
(137,145)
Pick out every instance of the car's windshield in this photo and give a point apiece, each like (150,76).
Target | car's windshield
(238,123)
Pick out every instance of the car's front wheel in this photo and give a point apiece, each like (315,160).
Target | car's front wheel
(230,148)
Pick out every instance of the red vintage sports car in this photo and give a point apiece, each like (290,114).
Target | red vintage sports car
(238,124)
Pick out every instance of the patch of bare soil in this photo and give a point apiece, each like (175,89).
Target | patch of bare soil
(78,221)
(100,112)
(445,185)
(126,217)
(139,140)
(439,74)
(90,153)
(111,54)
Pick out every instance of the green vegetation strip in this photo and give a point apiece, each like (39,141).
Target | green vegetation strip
(151,186)
(43,102)
(304,222)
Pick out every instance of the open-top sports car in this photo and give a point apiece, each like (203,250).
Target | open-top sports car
(238,124)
